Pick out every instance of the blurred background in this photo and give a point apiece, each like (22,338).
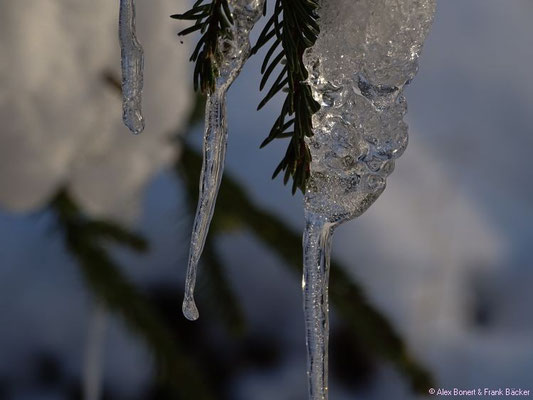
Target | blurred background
(430,288)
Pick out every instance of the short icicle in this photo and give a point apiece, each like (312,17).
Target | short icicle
(236,50)
(132,61)
(317,246)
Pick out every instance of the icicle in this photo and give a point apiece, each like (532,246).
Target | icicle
(132,60)
(235,52)
(214,149)
(317,246)
(357,68)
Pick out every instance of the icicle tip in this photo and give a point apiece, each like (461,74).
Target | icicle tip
(190,310)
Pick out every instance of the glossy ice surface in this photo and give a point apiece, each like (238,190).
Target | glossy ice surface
(235,51)
(366,53)
(132,61)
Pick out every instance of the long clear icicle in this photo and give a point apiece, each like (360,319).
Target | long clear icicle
(358,67)
(317,248)
(235,52)
(214,154)
(132,62)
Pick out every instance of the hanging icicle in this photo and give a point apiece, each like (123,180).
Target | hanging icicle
(132,61)
(367,51)
(235,51)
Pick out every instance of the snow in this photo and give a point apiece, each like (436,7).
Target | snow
(62,121)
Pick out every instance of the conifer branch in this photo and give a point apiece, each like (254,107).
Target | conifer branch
(86,239)
(291,29)
(294,28)
(213,20)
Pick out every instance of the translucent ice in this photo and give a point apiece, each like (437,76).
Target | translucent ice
(132,60)
(317,247)
(235,51)
(366,53)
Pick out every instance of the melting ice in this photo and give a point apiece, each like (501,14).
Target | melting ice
(132,61)
(366,53)
(235,51)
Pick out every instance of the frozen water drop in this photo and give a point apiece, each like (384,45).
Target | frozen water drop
(189,309)
(132,62)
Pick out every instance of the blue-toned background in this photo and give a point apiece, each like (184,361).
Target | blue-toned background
(443,257)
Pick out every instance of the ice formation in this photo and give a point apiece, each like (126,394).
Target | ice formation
(235,51)
(132,60)
(366,53)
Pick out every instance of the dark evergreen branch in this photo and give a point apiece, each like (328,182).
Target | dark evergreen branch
(86,240)
(212,20)
(293,27)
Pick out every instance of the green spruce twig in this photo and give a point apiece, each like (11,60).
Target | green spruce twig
(293,27)
(213,19)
